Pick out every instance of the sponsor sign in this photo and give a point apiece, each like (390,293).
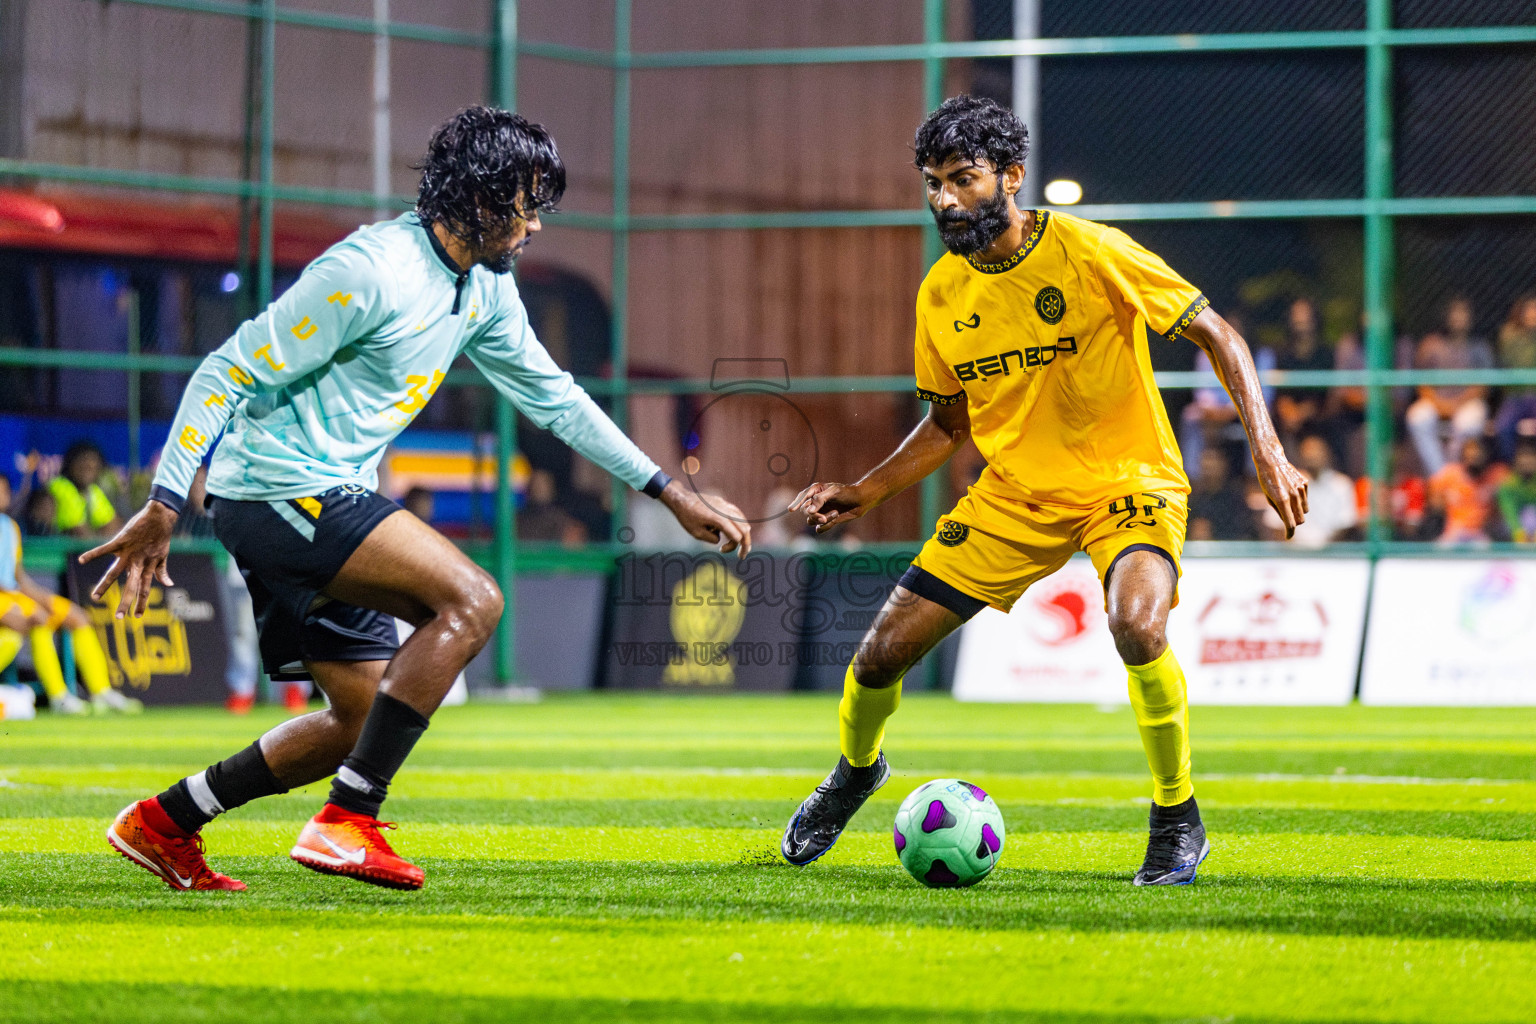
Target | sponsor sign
(177,653)
(701,622)
(1451,632)
(1247,631)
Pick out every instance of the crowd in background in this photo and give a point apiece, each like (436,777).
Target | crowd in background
(1462,460)
(1463,457)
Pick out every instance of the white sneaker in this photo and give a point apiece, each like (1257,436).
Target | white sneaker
(68,704)
(114,702)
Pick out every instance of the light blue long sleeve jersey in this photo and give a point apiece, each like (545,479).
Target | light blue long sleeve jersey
(309,393)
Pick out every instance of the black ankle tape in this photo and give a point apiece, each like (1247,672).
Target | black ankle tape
(178,805)
(238,780)
(389,734)
(1186,813)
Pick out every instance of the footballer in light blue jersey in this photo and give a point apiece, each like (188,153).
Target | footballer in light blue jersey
(309,393)
(305,397)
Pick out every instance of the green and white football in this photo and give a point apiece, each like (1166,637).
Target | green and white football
(949,834)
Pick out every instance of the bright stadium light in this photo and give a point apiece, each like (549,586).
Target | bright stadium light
(1063,192)
(229,282)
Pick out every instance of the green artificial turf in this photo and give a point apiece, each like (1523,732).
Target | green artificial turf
(601,858)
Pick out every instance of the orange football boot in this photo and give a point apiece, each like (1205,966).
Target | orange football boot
(339,842)
(175,860)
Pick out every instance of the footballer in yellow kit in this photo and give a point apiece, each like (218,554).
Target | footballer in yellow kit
(1032,337)
(1048,351)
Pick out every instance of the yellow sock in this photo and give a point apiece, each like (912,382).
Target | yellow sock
(10,643)
(1159,698)
(90,660)
(861,719)
(45,660)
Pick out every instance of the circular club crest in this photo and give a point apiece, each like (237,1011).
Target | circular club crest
(1051,304)
(953,534)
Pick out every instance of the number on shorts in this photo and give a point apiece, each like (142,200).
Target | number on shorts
(1128,508)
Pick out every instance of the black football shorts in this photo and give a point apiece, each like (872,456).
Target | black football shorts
(288,551)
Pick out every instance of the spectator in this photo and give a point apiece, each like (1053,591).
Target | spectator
(1463,492)
(1463,406)
(587,498)
(1410,494)
(1300,409)
(542,519)
(779,529)
(1517,351)
(1218,506)
(1331,502)
(1210,416)
(421,503)
(1517,494)
(83,509)
(40,514)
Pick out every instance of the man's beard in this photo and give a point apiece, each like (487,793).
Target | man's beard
(967,233)
(502,262)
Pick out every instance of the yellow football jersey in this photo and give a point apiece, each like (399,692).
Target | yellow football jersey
(1049,352)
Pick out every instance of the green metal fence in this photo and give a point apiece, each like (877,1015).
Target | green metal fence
(1377,207)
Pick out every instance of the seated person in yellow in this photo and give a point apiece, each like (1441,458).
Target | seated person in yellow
(27,608)
(1032,341)
(83,508)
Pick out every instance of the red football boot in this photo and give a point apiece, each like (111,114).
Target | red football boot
(175,860)
(338,842)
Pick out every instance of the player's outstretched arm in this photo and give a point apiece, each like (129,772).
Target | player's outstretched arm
(1283,483)
(139,552)
(709,518)
(929,446)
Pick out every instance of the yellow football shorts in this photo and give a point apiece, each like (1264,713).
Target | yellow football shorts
(993,550)
(58,607)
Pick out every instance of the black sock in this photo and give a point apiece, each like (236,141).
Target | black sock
(390,731)
(198,799)
(1186,813)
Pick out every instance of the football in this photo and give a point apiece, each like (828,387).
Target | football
(949,834)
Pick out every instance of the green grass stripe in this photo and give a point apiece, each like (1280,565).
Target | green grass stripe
(897,740)
(1275,855)
(124,1003)
(796,966)
(78,886)
(876,817)
(1331,792)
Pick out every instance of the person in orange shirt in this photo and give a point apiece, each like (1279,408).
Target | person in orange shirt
(1032,342)
(1465,492)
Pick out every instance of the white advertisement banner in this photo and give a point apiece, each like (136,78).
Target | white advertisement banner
(1247,631)
(1451,632)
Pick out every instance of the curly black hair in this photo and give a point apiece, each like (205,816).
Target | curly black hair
(971,127)
(486,168)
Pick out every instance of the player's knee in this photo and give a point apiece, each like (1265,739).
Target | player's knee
(1139,633)
(876,675)
(477,608)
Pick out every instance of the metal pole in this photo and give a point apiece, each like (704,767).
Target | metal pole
(1026,96)
(245,290)
(504,95)
(932,490)
(268,111)
(381,134)
(1379,261)
(135,376)
(619,339)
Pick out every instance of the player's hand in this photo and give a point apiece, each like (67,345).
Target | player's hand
(140,550)
(710,518)
(1286,488)
(827,505)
